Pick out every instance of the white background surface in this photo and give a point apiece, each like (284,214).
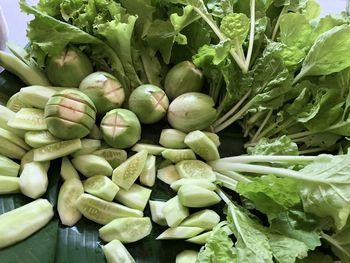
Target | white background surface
(16,21)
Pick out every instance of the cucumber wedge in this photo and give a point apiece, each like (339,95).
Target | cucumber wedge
(174,212)
(157,214)
(201,239)
(29,158)
(150,148)
(177,155)
(180,232)
(88,146)
(9,185)
(206,219)
(200,143)
(172,138)
(90,165)
(148,174)
(168,174)
(5,115)
(56,150)
(195,169)
(115,252)
(196,196)
(187,256)
(8,167)
(37,139)
(15,104)
(29,119)
(136,197)
(11,145)
(199,182)
(33,180)
(101,186)
(67,170)
(114,156)
(36,96)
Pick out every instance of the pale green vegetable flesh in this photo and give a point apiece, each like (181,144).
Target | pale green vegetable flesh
(37,139)
(101,186)
(15,104)
(180,232)
(172,138)
(189,181)
(114,156)
(126,174)
(195,169)
(90,165)
(11,145)
(135,197)
(22,222)
(67,197)
(67,170)
(201,239)
(174,212)
(103,212)
(126,230)
(36,96)
(5,115)
(148,174)
(157,214)
(9,185)
(29,119)
(168,174)
(29,158)
(150,148)
(115,252)
(95,133)
(214,137)
(200,143)
(8,167)
(88,146)
(33,180)
(206,219)
(196,196)
(177,155)
(56,150)
(187,256)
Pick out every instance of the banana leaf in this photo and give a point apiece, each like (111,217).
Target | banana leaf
(80,243)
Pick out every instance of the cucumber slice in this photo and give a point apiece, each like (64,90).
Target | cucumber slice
(157,212)
(103,212)
(126,174)
(180,232)
(196,170)
(36,96)
(8,167)
(22,222)
(29,119)
(114,156)
(199,182)
(90,165)
(200,143)
(14,139)
(148,174)
(5,115)
(29,158)
(172,138)
(33,180)
(150,148)
(15,104)
(11,150)
(196,196)
(101,186)
(164,163)
(56,150)
(115,252)
(168,174)
(9,185)
(174,212)
(201,239)
(214,138)
(67,170)
(126,230)
(67,198)
(88,146)
(176,155)
(136,197)
(38,139)
(206,219)
(187,256)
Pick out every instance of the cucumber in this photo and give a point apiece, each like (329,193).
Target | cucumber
(9,185)
(150,148)
(214,138)
(56,150)
(126,174)
(67,198)
(115,252)
(195,169)
(201,239)
(174,212)
(37,139)
(176,155)
(196,196)
(126,230)
(136,197)
(101,186)
(29,158)
(36,96)
(29,119)
(67,170)
(206,219)
(200,143)
(148,174)
(114,156)
(33,180)
(172,138)
(8,167)
(22,222)
(168,174)
(88,146)
(10,149)
(95,133)
(5,115)
(187,256)
(199,182)
(90,165)
(15,104)
(103,212)
(164,163)
(180,232)
(157,215)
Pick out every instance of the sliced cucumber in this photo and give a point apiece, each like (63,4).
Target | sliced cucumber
(38,139)
(180,232)
(9,185)
(103,212)
(126,230)
(201,239)
(168,174)
(56,150)
(136,197)
(114,156)
(187,256)
(206,219)
(214,138)
(90,165)
(150,148)
(67,198)
(67,170)
(200,143)
(29,119)
(196,196)
(22,222)
(115,252)
(174,212)
(88,146)
(5,115)
(8,167)
(15,104)
(156,208)
(36,96)
(199,182)
(176,155)
(173,139)
(11,145)
(126,174)
(101,186)
(33,180)
(29,158)
(148,174)
(195,169)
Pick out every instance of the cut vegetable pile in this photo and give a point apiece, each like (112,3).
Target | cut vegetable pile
(100,73)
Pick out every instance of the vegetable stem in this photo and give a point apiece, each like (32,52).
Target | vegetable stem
(251,36)
(262,126)
(226,181)
(312,150)
(334,242)
(275,30)
(267,159)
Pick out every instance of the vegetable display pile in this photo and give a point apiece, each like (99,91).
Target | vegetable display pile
(98,75)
